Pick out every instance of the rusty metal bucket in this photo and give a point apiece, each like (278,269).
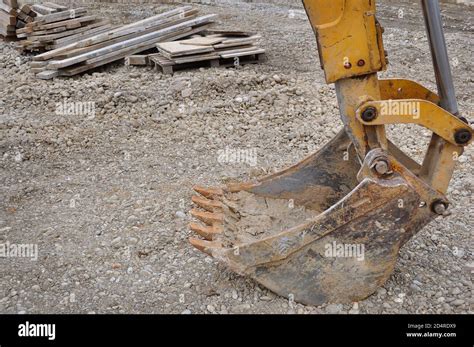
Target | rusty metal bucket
(325,230)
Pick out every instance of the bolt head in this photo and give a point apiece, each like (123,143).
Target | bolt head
(462,136)
(381,167)
(439,207)
(369,114)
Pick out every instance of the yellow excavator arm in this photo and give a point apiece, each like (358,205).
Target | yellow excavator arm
(359,193)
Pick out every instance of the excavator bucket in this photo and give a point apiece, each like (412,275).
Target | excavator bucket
(330,228)
(281,231)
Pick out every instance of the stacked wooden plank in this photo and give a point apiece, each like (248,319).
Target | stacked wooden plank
(25,14)
(48,8)
(8,18)
(118,43)
(57,27)
(219,48)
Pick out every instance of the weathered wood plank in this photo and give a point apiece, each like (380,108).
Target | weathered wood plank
(47,32)
(7,19)
(237,42)
(137,60)
(7,9)
(55,6)
(6,32)
(242,54)
(20,24)
(203,41)
(176,49)
(63,22)
(51,37)
(47,74)
(38,64)
(11,3)
(25,9)
(54,17)
(82,35)
(194,58)
(44,10)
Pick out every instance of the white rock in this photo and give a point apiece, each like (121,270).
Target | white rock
(186,93)
(180,214)
(334,308)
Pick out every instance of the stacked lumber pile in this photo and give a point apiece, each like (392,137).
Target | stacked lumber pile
(118,43)
(219,48)
(57,27)
(8,18)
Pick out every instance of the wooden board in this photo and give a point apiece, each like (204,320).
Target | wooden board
(46,32)
(177,49)
(54,17)
(51,37)
(8,9)
(137,60)
(47,74)
(11,3)
(242,54)
(44,10)
(202,41)
(37,64)
(237,42)
(26,9)
(9,28)
(240,40)
(55,6)
(7,19)
(20,24)
(5,32)
(66,22)
(195,58)
(232,33)
(82,35)
(237,49)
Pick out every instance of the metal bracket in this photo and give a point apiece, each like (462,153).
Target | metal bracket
(416,111)
(398,88)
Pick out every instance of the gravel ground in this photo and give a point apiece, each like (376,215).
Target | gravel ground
(105,198)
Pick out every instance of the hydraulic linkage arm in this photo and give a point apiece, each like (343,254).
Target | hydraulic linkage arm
(351,52)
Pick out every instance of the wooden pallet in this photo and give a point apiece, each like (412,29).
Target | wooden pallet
(169,67)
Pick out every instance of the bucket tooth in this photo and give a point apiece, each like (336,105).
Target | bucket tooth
(207,204)
(207,232)
(208,192)
(208,217)
(205,246)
